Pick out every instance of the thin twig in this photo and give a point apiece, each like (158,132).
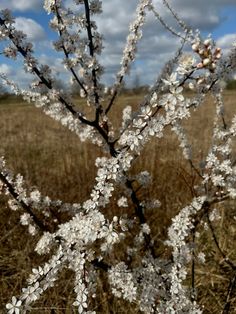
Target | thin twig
(60,20)
(180,22)
(26,207)
(193,269)
(166,26)
(230,292)
(225,258)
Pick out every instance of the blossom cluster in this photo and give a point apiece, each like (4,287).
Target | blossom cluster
(90,236)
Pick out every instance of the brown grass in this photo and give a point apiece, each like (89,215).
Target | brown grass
(54,160)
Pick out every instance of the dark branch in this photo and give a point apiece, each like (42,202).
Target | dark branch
(91,52)
(60,20)
(140,215)
(26,207)
(230,292)
(225,258)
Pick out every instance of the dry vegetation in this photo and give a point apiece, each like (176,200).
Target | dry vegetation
(53,159)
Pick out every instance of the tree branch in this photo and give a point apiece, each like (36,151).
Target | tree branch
(60,20)
(91,51)
(230,292)
(26,207)
(225,258)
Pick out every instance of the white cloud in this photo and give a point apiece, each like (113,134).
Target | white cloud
(21,5)
(55,64)
(16,74)
(226,41)
(202,14)
(5,68)
(31,28)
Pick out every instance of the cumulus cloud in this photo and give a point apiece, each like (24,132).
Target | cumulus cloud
(202,14)
(55,63)
(226,41)
(21,5)
(31,28)
(5,68)
(16,74)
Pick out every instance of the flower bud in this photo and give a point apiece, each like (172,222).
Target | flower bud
(191,85)
(201,52)
(213,66)
(207,42)
(206,61)
(200,81)
(200,65)
(82,93)
(195,47)
(115,219)
(218,55)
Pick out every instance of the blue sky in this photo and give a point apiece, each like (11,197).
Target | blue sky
(217,17)
(228,25)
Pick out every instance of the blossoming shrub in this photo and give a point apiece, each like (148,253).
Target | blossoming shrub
(84,243)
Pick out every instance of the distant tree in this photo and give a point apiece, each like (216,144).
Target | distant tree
(231,84)
(3,90)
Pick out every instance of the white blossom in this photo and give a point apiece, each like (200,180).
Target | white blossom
(14,306)
(122,202)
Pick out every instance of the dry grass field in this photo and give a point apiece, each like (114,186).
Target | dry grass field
(54,160)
